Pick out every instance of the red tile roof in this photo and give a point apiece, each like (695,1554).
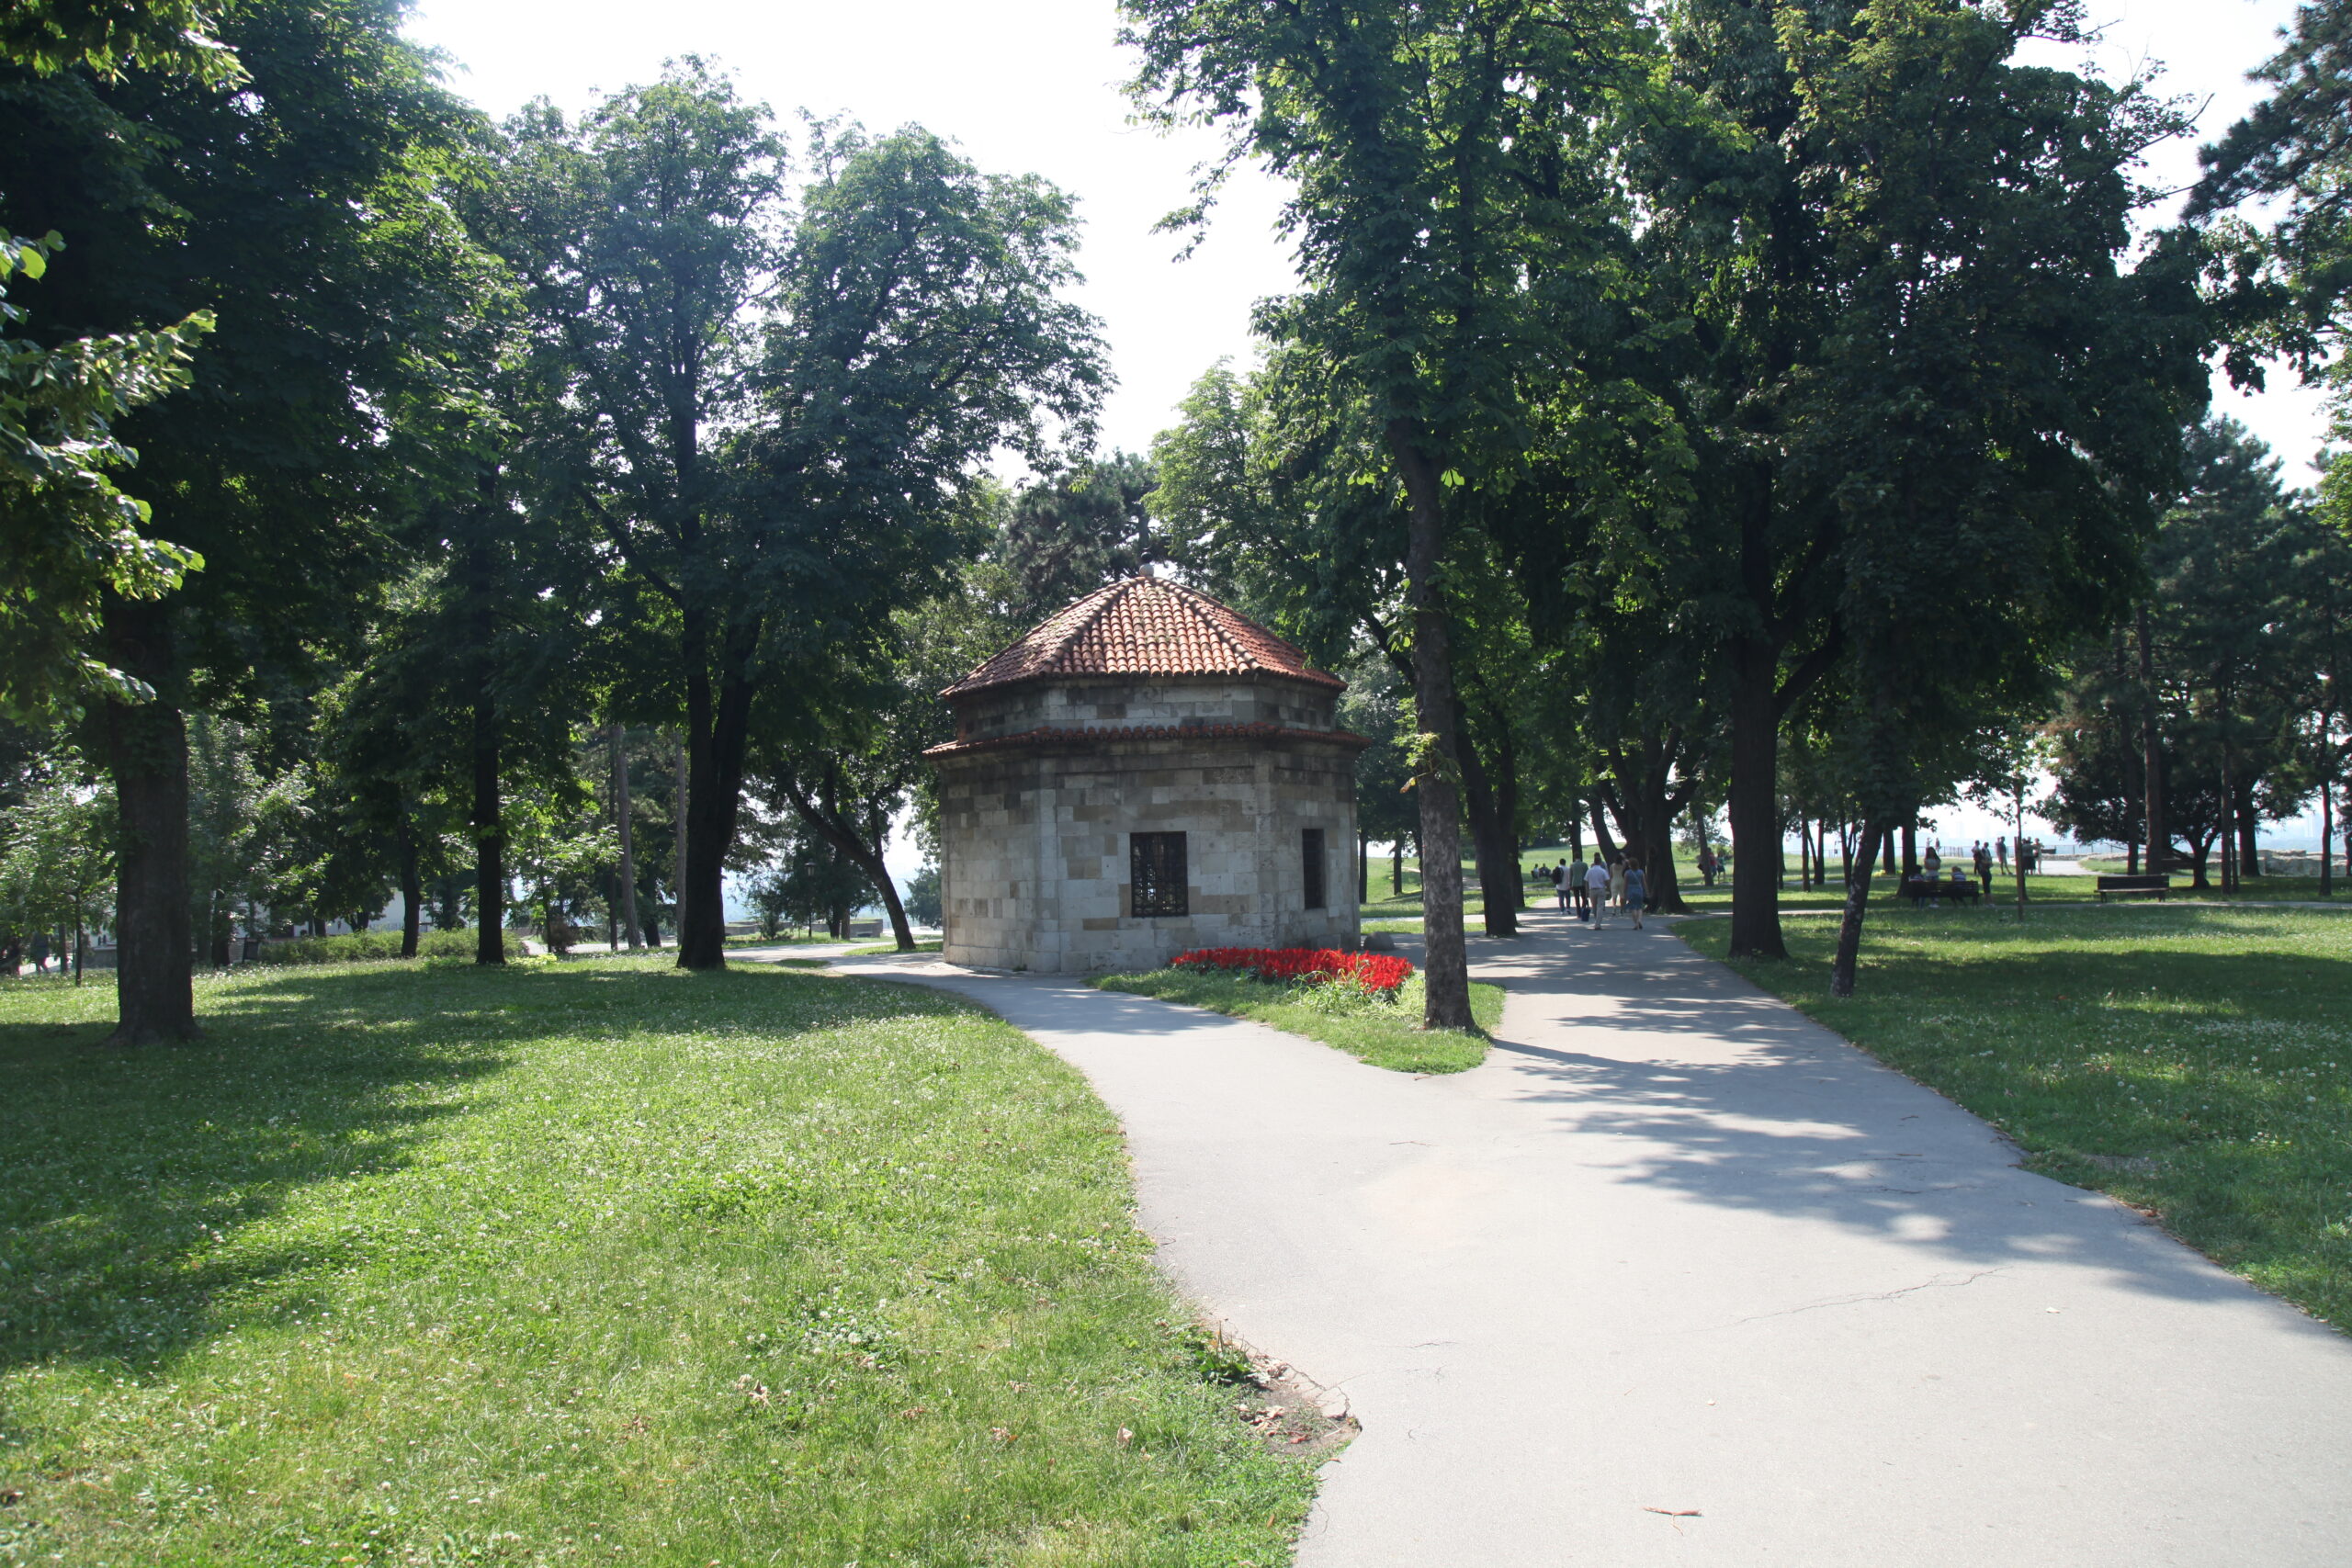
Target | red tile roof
(1146,625)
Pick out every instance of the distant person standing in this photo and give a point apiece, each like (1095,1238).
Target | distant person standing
(2001,850)
(1560,891)
(40,952)
(1984,868)
(1617,882)
(1636,892)
(1596,890)
(1935,862)
(1708,863)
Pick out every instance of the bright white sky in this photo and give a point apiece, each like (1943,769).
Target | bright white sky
(1033,85)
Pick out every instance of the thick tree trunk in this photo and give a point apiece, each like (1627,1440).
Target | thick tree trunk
(1396,868)
(411,887)
(625,821)
(1490,845)
(1445,954)
(717,733)
(146,751)
(489,823)
(1364,867)
(679,794)
(1850,928)
(1754,801)
(1658,814)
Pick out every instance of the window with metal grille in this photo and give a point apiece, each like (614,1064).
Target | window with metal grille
(1310,855)
(1155,872)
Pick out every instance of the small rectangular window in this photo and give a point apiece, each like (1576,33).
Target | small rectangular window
(1156,874)
(1310,854)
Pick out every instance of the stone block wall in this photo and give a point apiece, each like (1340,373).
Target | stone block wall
(1036,852)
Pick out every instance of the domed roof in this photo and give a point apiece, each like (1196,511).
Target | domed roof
(1144,626)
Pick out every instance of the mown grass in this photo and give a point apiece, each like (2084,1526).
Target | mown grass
(590,1263)
(2195,1063)
(1385,1034)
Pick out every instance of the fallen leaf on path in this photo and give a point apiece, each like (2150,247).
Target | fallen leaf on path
(1672,1513)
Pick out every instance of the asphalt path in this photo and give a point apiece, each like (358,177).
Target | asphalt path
(1679,1276)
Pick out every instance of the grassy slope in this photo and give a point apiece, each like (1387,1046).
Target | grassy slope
(591,1263)
(2192,1061)
(1385,1036)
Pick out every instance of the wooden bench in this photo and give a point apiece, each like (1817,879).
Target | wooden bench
(2134,886)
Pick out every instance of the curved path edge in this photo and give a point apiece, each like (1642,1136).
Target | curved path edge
(1681,1276)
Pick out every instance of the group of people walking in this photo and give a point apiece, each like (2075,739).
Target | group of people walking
(1593,890)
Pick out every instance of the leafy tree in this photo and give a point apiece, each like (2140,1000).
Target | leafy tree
(2295,150)
(1084,527)
(1936,386)
(788,397)
(295,204)
(1453,230)
(57,860)
(923,905)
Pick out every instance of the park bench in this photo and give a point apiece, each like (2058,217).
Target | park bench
(1920,891)
(2124,886)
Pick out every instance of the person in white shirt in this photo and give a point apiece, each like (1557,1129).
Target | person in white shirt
(1596,881)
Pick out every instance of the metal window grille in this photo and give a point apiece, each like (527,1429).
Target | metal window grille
(1156,874)
(1310,851)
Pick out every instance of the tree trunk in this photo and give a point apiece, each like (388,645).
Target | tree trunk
(1397,867)
(627,821)
(1445,954)
(2151,757)
(1754,798)
(146,751)
(679,794)
(1910,848)
(716,743)
(1858,898)
(1886,850)
(2249,836)
(489,834)
(825,815)
(1600,839)
(411,887)
(1491,847)
(1364,867)
(1658,812)
(2228,834)
(2327,838)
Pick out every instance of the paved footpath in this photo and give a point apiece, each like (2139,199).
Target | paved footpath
(1678,1277)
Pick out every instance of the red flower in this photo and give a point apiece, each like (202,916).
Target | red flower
(1311,965)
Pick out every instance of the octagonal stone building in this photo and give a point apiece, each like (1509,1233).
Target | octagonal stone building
(1147,772)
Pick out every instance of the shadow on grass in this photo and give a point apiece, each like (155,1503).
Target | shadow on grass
(126,1178)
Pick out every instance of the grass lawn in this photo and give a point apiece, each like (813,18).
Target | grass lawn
(1385,1034)
(2195,1063)
(591,1263)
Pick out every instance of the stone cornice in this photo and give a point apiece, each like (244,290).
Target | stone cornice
(1060,734)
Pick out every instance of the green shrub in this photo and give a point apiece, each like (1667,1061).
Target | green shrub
(361,947)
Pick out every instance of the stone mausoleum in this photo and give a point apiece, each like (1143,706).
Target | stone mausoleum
(1144,774)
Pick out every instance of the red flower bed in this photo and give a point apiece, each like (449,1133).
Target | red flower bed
(1374,971)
